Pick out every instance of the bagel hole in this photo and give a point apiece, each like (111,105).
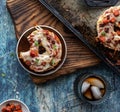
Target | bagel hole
(41,49)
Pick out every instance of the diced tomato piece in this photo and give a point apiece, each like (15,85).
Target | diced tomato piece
(4,110)
(8,109)
(12,106)
(18,107)
(118,32)
(57,39)
(102,39)
(34,53)
(112,20)
(105,21)
(116,12)
(19,111)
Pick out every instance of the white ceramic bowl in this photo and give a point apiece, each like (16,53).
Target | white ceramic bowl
(14,101)
(23,45)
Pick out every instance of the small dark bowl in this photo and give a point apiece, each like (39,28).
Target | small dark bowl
(23,45)
(100,3)
(78,84)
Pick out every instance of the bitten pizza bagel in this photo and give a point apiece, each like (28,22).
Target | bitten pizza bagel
(45,51)
(108,28)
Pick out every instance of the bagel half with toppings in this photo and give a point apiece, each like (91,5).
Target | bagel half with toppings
(41,50)
(108,28)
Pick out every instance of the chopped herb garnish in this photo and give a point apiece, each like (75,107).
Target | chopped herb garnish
(52,62)
(3,74)
(54,47)
(36,61)
(36,43)
(103,33)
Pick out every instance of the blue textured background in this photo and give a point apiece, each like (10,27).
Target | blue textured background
(54,96)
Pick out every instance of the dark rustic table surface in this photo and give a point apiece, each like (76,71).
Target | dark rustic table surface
(54,96)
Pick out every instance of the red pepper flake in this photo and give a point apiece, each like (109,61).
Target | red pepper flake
(106,30)
(39,41)
(28,63)
(43,63)
(48,37)
(108,40)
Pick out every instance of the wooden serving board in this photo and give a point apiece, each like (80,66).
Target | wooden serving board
(27,13)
